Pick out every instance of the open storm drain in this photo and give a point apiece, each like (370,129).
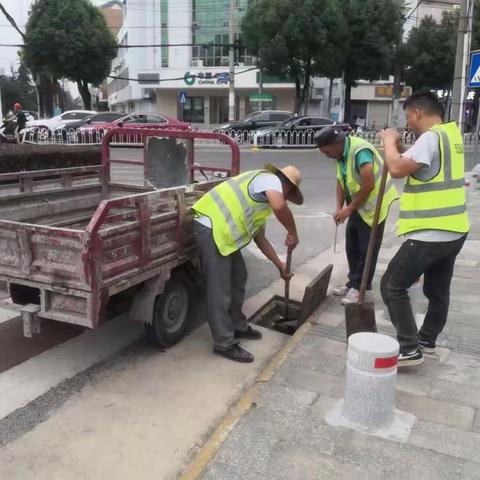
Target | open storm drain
(273,315)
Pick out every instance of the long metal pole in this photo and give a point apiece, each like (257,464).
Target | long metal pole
(231,90)
(461,61)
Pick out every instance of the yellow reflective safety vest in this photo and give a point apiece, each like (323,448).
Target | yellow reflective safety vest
(353,181)
(438,203)
(236,217)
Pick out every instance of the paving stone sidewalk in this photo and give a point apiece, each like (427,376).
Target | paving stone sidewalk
(284,434)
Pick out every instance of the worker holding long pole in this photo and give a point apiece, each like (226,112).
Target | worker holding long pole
(433,221)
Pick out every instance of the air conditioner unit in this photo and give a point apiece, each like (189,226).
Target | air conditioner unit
(164,25)
(195,25)
(197,63)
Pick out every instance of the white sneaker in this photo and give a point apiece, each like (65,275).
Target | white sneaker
(340,291)
(350,297)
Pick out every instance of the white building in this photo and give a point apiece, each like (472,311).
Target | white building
(189,78)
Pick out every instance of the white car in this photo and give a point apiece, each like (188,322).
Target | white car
(49,125)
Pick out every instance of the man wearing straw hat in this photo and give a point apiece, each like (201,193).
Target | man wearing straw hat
(227,218)
(359,169)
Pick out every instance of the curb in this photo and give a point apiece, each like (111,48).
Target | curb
(197,466)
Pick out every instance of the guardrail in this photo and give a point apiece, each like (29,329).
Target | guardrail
(252,138)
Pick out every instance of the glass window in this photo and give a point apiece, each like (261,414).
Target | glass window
(279,117)
(134,119)
(194,110)
(210,32)
(304,122)
(321,121)
(155,119)
(105,117)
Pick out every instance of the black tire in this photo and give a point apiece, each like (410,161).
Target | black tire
(170,313)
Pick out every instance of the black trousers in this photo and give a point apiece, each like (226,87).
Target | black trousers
(435,261)
(357,237)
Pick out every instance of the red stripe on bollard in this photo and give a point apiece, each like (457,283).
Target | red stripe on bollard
(388,362)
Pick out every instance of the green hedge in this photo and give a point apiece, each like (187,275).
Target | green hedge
(23,157)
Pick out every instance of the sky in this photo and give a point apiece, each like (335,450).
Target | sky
(18,9)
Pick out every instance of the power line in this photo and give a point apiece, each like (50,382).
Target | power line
(414,10)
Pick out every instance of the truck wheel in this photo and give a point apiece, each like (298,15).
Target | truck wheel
(170,313)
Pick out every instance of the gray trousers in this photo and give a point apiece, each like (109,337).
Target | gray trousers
(225,278)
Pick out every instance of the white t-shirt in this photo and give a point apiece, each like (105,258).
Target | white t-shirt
(262,183)
(426,151)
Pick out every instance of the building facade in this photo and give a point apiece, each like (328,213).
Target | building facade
(184,72)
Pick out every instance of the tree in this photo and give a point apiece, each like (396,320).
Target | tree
(295,39)
(430,53)
(373,27)
(18,88)
(69,39)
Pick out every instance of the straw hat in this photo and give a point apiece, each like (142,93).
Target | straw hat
(292,175)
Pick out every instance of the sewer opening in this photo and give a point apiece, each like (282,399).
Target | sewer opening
(272,315)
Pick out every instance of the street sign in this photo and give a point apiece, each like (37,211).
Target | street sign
(183,97)
(474,70)
(261,97)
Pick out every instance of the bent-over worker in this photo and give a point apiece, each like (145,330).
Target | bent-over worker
(228,217)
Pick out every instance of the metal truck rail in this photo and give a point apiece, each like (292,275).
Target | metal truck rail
(70,240)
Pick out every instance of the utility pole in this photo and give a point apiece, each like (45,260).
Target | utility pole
(231,91)
(461,61)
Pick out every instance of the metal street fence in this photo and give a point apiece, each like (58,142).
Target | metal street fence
(252,138)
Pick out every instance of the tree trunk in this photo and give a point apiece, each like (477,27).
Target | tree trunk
(85,94)
(298,91)
(306,86)
(330,94)
(348,106)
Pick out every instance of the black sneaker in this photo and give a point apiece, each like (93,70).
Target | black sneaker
(426,345)
(235,353)
(410,359)
(250,334)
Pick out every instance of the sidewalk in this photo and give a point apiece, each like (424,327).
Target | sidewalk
(284,433)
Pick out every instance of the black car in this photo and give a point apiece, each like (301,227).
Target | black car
(296,131)
(265,118)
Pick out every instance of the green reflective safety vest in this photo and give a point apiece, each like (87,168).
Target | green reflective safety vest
(438,203)
(236,217)
(353,181)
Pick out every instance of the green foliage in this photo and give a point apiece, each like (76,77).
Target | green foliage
(430,53)
(69,39)
(296,38)
(374,27)
(17,88)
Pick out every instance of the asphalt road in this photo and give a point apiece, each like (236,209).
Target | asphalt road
(314,224)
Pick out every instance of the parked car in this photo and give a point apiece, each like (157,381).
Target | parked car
(136,120)
(95,119)
(265,118)
(296,131)
(45,127)
(69,132)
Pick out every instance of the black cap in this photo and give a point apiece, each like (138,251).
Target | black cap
(328,135)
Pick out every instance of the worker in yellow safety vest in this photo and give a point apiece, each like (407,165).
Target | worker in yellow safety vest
(228,218)
(433,221)
(359,169)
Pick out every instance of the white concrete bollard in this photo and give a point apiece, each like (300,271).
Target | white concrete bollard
(372,361)
(476,175)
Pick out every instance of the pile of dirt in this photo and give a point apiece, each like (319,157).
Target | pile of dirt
(23,157)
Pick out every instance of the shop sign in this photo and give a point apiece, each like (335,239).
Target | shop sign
(261,97)
(386,91)
(206,78)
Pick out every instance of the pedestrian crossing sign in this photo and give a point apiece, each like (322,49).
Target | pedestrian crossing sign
(474,70)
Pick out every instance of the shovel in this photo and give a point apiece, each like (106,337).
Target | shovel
(286,317)
(360,317)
